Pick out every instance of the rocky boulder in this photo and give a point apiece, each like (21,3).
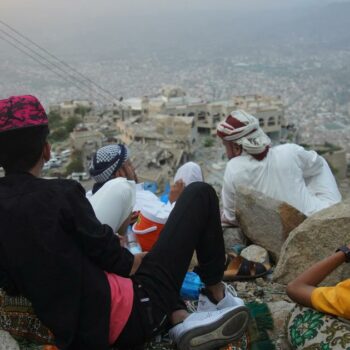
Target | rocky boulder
(256,253)
(316,238)
(280,310)
(267,222)
(233,236)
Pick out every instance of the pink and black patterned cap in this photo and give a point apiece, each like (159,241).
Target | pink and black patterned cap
(18,112)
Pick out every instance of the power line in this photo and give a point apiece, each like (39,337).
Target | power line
(34,58)
(72,78)
(56,58)
(41,63)
(67,77)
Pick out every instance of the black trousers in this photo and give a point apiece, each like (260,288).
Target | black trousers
(193,225)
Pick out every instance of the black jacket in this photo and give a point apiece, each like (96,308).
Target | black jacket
(54,250)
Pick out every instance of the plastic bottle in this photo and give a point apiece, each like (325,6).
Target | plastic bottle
(191,286)
(131,242)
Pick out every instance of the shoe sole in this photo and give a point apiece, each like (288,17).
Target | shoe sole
(219,333)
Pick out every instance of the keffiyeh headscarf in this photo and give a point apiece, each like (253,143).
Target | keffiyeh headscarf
(106,161)
(243,129)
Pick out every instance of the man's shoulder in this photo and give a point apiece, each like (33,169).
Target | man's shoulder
(48,185)
(25,183)
(241,161)
(286,147)
(62,188)
(58,183)
(237,166)
(25,196)
(57,187)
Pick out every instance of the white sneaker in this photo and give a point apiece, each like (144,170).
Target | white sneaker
(210,330)
(230,299)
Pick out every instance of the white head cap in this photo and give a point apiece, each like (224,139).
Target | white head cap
(188,173)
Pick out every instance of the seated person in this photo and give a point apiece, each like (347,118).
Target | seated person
(112,161)
(286,172)
(188,173)
(87,289)
(109,162)
(332,300)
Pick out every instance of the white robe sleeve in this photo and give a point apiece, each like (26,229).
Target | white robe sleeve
(309,162)
(319,180)
(228,195)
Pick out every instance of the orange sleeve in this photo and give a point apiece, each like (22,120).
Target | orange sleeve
(333,300)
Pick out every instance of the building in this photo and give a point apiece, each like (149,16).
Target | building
(268,109)
(174,102)
(86,140)
(68,109)
(179,132)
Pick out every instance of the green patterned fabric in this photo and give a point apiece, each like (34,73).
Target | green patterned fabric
(17,318)
(312,330)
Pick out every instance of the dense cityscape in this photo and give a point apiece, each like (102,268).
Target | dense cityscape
(315,90)
(145,91)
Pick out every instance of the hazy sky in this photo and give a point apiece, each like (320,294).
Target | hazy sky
(52,12)
(126,6)
(85,25)
(55,17)
(97,33)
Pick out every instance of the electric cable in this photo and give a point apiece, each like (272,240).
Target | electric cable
(72,78)
(56,58)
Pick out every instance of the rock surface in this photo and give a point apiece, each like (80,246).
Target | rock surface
(265,221)
(7,342)
(256,253)
(280,310)
(263,290)
(316,238)
(232,237)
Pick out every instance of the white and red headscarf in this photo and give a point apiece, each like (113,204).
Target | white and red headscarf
(243,129)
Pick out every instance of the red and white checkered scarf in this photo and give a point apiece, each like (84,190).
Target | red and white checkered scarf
(243,129)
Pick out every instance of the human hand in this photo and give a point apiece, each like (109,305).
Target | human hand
(130,171)
(137,262)
(127,170)
(175,190)
(123,240)
(124,225)
(134,216)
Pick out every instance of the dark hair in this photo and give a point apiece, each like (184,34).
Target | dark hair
(20,149)
(97,186)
